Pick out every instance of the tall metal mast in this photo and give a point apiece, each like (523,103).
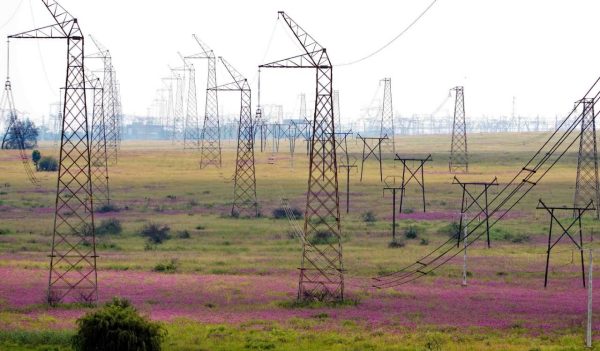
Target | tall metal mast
(191,128)
(111,101)
(244,192)
(459,156)
(73,257)
(211,133)
(322,271)
(388,146)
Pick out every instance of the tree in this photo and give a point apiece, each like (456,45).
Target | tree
(20,135)
(36,155)
(117,326)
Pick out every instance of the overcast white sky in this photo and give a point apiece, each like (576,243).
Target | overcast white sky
(540,51)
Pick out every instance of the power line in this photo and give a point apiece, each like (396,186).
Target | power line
(12,16)
(391,41)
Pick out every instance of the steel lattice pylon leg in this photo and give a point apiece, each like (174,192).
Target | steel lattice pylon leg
(459,157)
(587,187)
(388,146)
(322,270)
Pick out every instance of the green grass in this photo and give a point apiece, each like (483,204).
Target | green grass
(156,183)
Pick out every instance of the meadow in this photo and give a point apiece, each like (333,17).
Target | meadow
(224,283)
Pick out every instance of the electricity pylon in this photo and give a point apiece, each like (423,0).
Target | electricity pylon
(73,256)
(587,187)
(322,270)
(98,150)
(211,134)
(191,128)
(388,146)
(459,156)
(244,192)
(111,101)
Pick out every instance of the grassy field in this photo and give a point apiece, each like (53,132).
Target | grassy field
(232,282)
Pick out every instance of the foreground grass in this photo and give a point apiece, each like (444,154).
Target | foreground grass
(306,335)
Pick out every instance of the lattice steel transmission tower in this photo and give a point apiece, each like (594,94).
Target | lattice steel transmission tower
(178,117)
(587,186)
(111,101)
(459,156)
(244,192)
(73,257)
(98,149)
(211,133)
(191,128)
(322,270)
(388,146)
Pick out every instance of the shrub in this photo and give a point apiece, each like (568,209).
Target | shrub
(322,237)
(424,242)
(369,217)
(4,231)
(107,208)
(279,213)
(396,243)
(408,211)
(48,164)
(155,233)
(451,229)
(117,326)
(167,267)
(183,234)
(35,158)
(411,232)
(109,226)
(200,227)
(505,235)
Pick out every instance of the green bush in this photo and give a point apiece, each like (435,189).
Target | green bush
(35,158)
(184,234)
(369,217)
(107,208)
(48,164)
(411,232)
(109,226)
(451,229)
(397,243)
(167,267)
(323,237)
(155,233)
(117,326)
(279,213)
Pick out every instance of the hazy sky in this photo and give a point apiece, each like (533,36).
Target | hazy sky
(540,51)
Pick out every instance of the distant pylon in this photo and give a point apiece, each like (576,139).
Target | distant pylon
(111,103)
(191,132)
(178,118)
(459,157)
(587,187)
(388,146)
(211,134)
(244,191)
(98,150)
